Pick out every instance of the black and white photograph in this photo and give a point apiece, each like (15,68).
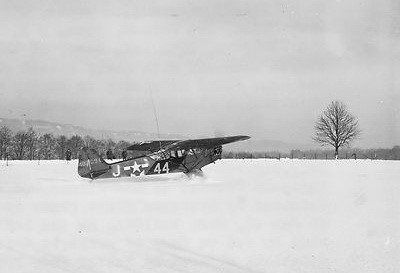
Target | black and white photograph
(199,136)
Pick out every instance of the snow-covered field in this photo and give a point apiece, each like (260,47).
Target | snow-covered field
(244,216)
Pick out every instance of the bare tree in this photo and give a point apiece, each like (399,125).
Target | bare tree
(47,146)
(90,142)
(120,147)
(96,144)
(32,143)
(5,141)
(20,144)
(110,144)
(61,146)
(75,143)
(336,127)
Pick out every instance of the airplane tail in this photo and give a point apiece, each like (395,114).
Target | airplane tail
(91,164)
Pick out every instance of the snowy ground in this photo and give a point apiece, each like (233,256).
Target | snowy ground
(244,216)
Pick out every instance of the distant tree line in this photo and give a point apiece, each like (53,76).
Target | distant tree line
(357,153)
(29,145)
(379,154)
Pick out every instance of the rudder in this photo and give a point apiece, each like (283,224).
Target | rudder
(90,164)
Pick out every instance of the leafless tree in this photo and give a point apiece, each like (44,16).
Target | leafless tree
(61,146)
(96,144)
(90,142)
(120,147)
(47,146)
(336,127)
(5,141)
(20,144)
(32,143)
(75,143)
(110,144)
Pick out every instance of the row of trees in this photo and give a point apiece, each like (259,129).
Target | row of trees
(350,153)
(335,127)
(29,145)
(378,154)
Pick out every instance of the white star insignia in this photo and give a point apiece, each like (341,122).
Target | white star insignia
(135,167)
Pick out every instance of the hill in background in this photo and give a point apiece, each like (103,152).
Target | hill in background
(46,127)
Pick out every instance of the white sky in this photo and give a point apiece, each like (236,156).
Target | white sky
(261,68)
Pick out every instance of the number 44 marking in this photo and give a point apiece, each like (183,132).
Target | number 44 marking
(158,169)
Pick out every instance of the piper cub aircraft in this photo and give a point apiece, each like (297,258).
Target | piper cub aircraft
(157,157)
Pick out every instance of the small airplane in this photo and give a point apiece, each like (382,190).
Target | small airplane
(157,157)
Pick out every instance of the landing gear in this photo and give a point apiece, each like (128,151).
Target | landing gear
(195,173)
(218,150)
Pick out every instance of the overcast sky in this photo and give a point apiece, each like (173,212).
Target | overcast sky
(261,68)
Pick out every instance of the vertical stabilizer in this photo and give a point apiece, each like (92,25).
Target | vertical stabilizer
(90,164)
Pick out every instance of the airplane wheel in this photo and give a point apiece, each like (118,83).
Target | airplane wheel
(195,173)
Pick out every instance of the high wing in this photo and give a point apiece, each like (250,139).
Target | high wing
(203,143)
(150,146)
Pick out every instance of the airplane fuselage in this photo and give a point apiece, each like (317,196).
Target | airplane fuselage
(161,162)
